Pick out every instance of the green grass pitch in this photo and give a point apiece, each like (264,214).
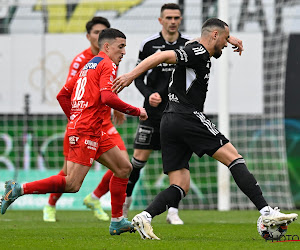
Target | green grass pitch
(80,230)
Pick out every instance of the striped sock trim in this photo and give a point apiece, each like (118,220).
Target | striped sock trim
(137,163)
(235,162)
(182,193)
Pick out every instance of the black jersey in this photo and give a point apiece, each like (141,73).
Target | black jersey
(158,77)
(189,80)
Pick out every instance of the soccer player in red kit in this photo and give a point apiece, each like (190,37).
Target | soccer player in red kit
(93,28)
(83,100)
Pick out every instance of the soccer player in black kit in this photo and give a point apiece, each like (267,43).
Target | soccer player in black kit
(155,92)
(185,129)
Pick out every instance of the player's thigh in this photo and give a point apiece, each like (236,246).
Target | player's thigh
(226,154)
(201,134)
(75,175)
(116,162)
(175,151)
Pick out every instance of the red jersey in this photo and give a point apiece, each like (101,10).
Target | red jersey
(78,62)
(87,112)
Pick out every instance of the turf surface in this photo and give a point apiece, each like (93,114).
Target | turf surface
(80,230)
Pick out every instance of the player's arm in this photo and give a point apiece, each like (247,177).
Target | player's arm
(167,56)
(107,73)
(118,117)
(139,82)
(64,96)
(237,44)
(111,99)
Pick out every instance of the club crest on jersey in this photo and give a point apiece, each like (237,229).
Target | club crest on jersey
(92,64)
(73,139)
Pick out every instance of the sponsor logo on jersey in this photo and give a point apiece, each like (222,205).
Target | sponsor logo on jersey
(199,50)
(79,105)
(173,98)
(92,64)
(166,67)
(158,46)
(91,144)
(73,139)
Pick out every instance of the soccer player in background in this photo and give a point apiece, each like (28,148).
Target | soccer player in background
(186,130)
(155,92)
(93,28)
(83,99)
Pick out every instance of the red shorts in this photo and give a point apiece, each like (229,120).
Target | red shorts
(114,136)
(110,130)
(84,149)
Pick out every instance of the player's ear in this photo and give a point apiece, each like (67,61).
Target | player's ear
(160,20)
(88,36)
(215,34)
(106,46)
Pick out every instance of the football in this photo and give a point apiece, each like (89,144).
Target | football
(271,232)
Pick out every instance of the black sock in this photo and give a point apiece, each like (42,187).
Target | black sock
(170,197)
(247,183)
(137,165)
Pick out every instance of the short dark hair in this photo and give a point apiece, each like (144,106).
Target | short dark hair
(169,6)
(96,20)
(214,22)
(109,33)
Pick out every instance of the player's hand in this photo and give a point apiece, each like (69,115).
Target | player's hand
(155,99)
(143,114)
(237,44)
(121,82)
(118,118)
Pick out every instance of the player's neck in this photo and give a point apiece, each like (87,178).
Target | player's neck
(94,50)
(170,37)
(207,45)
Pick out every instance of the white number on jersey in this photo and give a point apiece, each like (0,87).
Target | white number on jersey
(81,82)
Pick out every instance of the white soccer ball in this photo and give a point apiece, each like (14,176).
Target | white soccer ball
(271,232)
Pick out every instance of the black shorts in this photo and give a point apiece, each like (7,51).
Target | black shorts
(148,135)
(185,134)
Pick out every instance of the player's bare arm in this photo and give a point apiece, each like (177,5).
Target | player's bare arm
(118,118)
(237,44)
(150,62)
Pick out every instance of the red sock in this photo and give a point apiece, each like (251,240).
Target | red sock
(53,198)
(52,184)
(103,186)
(117,187)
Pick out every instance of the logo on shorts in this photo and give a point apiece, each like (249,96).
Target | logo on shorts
(73,139)
(91,144)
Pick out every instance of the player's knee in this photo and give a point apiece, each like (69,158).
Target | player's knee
(73,187)
(125,170)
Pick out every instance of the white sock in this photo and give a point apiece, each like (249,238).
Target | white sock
(147,215)
(267,210)
(94,196)
(173,210)
(22,190)
(117,219)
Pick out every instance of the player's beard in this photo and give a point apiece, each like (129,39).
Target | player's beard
(218,52)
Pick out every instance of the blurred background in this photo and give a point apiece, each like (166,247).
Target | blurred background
(39,39)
